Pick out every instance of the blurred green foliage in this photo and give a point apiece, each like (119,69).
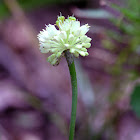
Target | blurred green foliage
(126,42)
(27,4)
(135,100)
(30,4)
(3,10)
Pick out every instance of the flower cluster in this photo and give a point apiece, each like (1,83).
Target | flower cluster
(70,36)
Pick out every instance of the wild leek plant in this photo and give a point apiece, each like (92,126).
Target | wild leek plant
(68,40)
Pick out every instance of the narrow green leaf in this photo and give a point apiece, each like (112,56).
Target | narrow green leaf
(135,100)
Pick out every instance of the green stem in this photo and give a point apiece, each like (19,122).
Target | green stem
(71,65)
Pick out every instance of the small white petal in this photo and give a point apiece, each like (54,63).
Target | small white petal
(84,49)
(67,45)
(82,53)
(88,40)
(58,54)
(71,38)
(78,32)
(78,46)
(86,45)
(84,29)
(63,35)
(51,57)
(53,50)
(75,26)
(76,54)
(83,38)
(51,30)
(72,50)
(86,53)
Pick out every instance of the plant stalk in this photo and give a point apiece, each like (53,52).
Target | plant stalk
(71,65)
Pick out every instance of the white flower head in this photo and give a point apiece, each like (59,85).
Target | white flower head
(70,36)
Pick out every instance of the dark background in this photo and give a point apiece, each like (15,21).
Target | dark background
(35,97)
